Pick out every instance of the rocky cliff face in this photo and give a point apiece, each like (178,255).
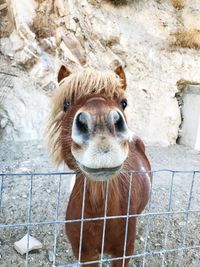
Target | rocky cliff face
(144,36)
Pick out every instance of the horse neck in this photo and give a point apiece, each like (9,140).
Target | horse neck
(95,194)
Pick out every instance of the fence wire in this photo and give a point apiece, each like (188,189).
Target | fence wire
(173,208)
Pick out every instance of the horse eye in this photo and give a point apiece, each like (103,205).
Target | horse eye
(66,105)
(123,103)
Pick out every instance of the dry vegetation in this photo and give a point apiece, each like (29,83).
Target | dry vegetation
(187,38)
(4,20)
(178,4)
(118,2)
(182,84)
(43,25)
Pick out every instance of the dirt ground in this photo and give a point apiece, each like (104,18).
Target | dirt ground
(154,233)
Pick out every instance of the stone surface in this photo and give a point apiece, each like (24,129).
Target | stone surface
(96,32)
(190,134)
(23,108)
(190,14)
(26,244)
(33,156)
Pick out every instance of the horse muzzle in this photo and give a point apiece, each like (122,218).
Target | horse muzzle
(99,174)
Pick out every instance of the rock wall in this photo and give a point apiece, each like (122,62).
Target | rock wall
(23,105)
(39,35)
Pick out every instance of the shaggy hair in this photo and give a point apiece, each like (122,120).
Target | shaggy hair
(187,39)
(77,85)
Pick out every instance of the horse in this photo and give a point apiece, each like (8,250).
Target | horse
(88,131)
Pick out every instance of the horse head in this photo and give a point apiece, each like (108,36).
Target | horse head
(88,127)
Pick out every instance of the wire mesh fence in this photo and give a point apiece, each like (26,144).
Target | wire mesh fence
(35,203)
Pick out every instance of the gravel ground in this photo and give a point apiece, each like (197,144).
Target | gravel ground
(153,232)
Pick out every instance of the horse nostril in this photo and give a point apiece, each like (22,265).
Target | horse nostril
(118,121)
(116,116)
(82,123)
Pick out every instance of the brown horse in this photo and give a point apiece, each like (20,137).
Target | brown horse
(88,131)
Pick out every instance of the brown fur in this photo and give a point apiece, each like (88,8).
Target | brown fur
(78,88)
(79,84)
(187,39)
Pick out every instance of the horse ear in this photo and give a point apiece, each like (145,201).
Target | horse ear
(119,71)
(63,72)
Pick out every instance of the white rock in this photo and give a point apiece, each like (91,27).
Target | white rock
(43,67)
(141,33)
(49,43)
(51,256)
(24,57)
(191,14)
(3,123)
(25,107)
(6,47)
(24,13)
(61,6)
(68,54)
(26,244)
(141,239)
(17,42)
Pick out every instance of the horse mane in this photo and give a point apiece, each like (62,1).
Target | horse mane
(79,84)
